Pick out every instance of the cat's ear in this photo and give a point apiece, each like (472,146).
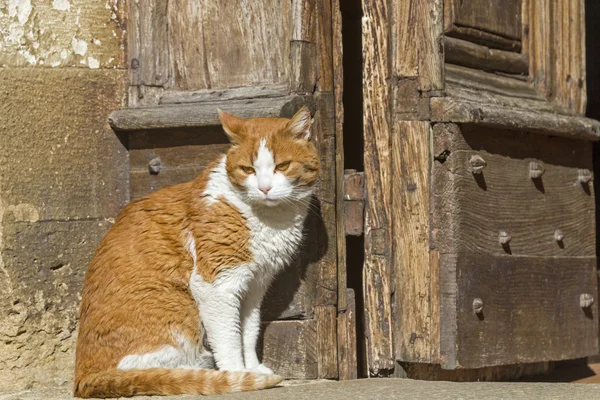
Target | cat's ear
(231,125)
(300,124)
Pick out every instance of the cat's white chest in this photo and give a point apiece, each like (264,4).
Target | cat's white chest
(275,240)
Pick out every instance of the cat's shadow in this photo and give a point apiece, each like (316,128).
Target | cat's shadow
(288,297)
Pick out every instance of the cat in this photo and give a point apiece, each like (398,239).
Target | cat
(175,287)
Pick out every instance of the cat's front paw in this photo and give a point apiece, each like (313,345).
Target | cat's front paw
(262,369)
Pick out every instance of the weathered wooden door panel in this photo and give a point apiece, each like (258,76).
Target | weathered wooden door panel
(513,310)
(443,198)
(160,158)
(499,17)
(502,209)
(201,44)
(253,59)
(497,189)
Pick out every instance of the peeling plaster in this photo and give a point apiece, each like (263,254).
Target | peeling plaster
(21,9)
(41,33)
(61,5)
(93,63)
(79,46)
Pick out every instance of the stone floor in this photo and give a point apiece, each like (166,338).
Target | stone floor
(574,382)
(368,389)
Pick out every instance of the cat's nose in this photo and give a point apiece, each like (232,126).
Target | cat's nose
(265,189)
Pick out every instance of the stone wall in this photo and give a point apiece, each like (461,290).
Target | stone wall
(63,173)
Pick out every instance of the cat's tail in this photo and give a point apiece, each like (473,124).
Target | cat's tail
(162,381)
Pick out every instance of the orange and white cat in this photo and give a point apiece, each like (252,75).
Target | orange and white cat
(175,287)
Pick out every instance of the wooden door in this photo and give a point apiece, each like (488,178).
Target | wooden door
(253,59)
(479,212)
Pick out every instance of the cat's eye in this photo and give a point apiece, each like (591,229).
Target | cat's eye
(283,166)
(248,170)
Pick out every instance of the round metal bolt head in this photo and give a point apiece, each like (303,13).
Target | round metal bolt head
(504,238)
(585,176)
(477,164)
(154,166)
(536,170)
(477,305)
(559,235)
(586,300)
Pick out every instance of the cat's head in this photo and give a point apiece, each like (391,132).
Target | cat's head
(272,160)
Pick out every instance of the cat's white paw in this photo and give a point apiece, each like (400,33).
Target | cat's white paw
(262,369)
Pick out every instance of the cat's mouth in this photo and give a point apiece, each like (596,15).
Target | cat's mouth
(271,202)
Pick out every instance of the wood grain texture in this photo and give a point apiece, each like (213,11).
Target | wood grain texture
(187,45)
(462,52)
(222,44)
(304,20)
(501,17)
(411,104)
(327,360)
(568,49)
(537,44)
(153,42)
(473,91)
(303,62)
(454,110)
(523,280)
(133,44)
(338,93)
(342,350)
(281,337)
(554,42)
(324,131)
(346,332)
(325,45)
(240,93)
(531,309)
(503,197)
(417,33)
(414,338)
(204,114)
(378,315)
(484,38)
(377,165)
(512,90)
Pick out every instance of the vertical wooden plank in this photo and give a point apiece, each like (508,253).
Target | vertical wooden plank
(325,48)
(569,46)
(338,80)
(347,362)
(418,28)
(188,57)
(405,28)
(303,61)
(154,44)
(133,42)
(431,58)
(327,362)
(342,339)
(304,20)
(351,335)
(376,131)
(414,338)
(537,42)
(246,42)
(444,230)
(324,128)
